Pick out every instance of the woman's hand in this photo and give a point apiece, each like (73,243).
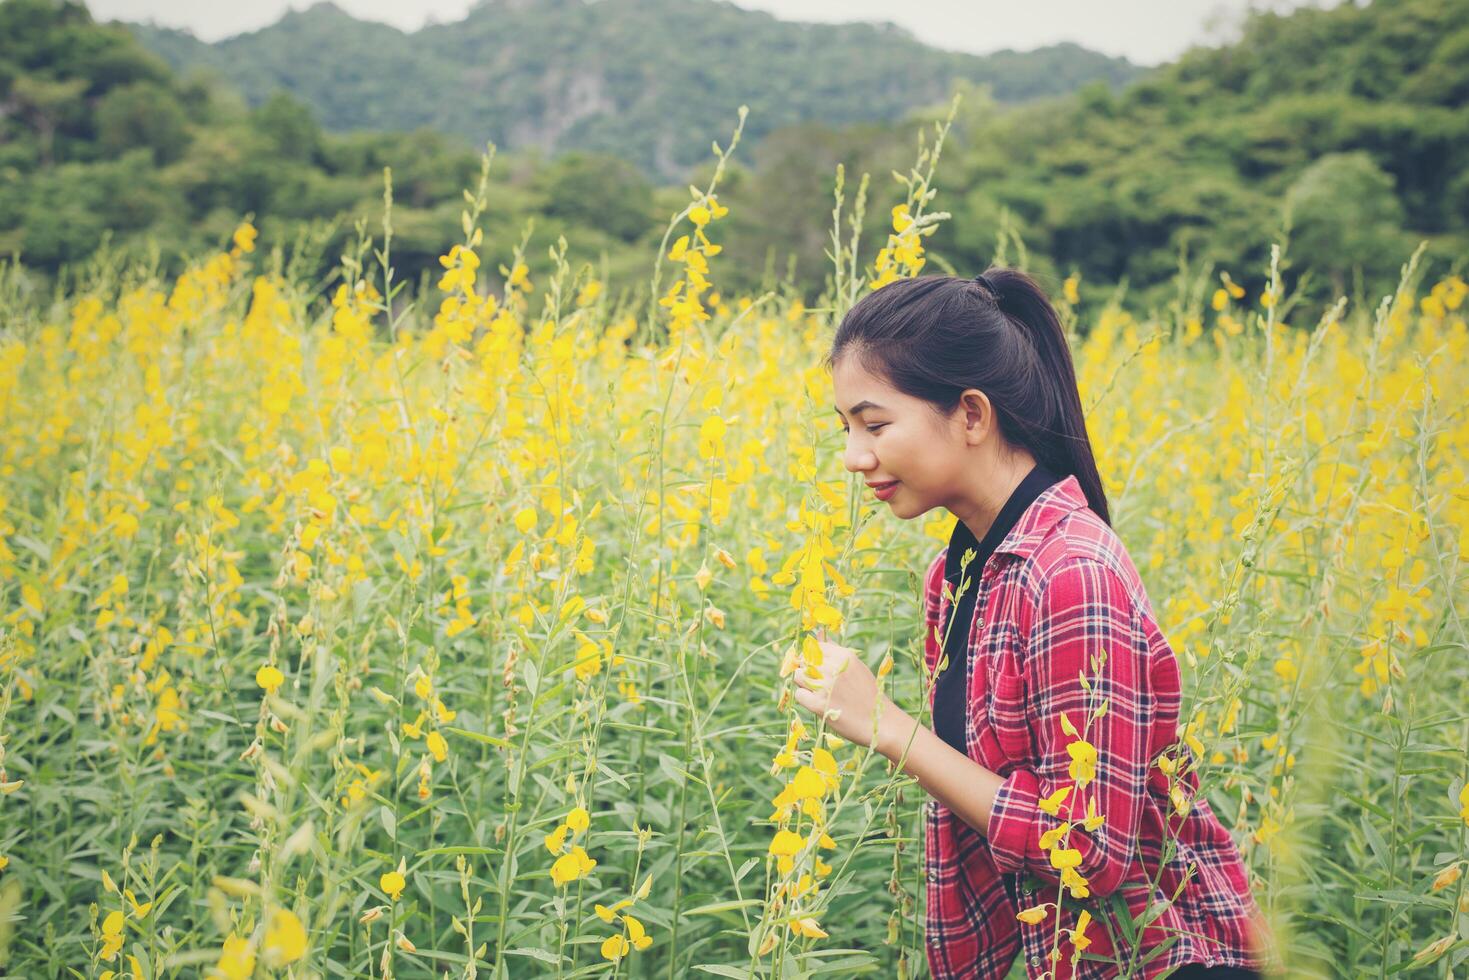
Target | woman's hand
(846,687)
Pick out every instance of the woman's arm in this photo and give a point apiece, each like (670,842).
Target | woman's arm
(958,782)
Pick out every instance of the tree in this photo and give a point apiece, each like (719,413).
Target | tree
(1343,215)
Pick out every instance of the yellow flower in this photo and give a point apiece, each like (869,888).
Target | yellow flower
(236,959)
(556,839)
(138,910)
(1052,804)
(1049,838)
(1083,766)
(285,938)
(1093,818)
(1446,877)
(606,914)
(438,746)
(614,948)
(786,844)
(1033,915)
(636,932)
(393,882)
(112,927)
(244,237)
(807,926)
(270,678)
(578,820)
(525,519)
(569,867)
(1079,939)
(1065,857)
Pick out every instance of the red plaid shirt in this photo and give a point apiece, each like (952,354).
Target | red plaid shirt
(1058,589)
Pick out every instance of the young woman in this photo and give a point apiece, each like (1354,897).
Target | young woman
(960,393)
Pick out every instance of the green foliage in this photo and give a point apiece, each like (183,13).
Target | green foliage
(649,81)
(1348,159)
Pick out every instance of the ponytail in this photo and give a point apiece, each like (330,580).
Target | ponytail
(1056,437)
(933,337)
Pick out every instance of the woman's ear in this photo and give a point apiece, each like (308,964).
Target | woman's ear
(978,415)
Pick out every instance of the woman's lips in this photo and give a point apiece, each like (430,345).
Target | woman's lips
(886,490)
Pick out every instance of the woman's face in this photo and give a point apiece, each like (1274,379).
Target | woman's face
(896,438)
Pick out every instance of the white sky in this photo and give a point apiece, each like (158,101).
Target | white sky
(1147,31)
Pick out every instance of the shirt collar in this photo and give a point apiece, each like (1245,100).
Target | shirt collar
(1054,503)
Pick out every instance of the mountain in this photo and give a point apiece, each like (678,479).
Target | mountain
(651,81)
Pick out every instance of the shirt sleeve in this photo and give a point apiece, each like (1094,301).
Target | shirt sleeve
(1084,609)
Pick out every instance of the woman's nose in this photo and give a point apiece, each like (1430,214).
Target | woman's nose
(858,460)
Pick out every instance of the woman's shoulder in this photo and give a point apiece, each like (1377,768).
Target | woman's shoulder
(1079,546)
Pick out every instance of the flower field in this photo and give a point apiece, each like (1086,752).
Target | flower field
(343,636)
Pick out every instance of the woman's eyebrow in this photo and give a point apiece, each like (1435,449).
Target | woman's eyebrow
(858,408)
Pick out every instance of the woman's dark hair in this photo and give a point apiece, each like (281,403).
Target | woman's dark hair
(931,337)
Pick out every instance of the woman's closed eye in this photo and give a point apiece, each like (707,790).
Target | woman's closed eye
(870,428)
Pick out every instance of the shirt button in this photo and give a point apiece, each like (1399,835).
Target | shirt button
(933,875)
(1035,962)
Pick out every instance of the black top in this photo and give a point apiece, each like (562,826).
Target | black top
(949,694)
